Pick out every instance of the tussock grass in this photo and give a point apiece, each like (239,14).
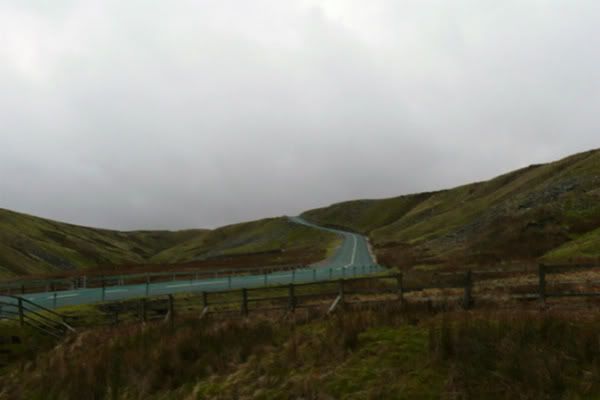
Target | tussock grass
(519,355)
(388,352)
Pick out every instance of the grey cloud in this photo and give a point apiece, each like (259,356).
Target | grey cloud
(152,115)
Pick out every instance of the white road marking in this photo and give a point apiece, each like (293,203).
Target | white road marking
(62,296)
(353,254)
(196,284)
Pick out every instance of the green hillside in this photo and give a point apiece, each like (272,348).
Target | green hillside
(271,235)
(32,245)
(363,216)
(548,210)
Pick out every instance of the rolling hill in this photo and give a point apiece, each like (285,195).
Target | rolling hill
(549,212)
(275,236)
(32,245)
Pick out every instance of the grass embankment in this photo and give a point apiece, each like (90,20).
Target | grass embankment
(36,246)
(359,355)
(548,211)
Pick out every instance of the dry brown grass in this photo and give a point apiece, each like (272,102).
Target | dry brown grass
(467,355)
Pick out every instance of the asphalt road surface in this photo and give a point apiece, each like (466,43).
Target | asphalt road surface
(352,258)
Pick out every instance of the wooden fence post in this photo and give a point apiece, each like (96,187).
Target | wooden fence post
(204,305)
(21,313)
(429,305)
(542,283)
(341,290)
(204,299)
(143,310)
(400,287)
(468,300)
(291,297)
(171,313)
(244,302)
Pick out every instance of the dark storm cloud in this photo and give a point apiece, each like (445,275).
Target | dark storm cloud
(155,114)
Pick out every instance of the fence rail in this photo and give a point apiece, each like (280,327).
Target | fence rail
(31,314)
(465,289)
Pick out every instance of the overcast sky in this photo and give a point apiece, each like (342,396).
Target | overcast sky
(176,114)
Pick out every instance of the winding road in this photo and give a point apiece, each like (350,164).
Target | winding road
(352,258)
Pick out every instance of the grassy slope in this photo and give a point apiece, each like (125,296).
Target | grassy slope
(520,215)
(276,235)
(32,245)
(363,216)
(382,354)
(585,246)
